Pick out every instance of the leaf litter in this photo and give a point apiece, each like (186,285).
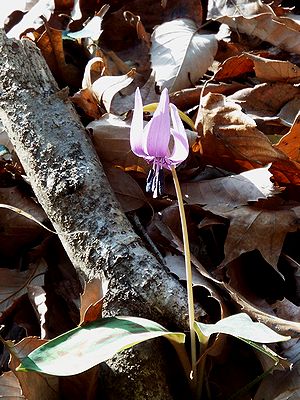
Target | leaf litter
(240,182)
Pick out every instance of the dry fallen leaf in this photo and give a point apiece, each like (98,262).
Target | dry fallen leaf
(229,139)
(275,70)
(127,190)
(32,384)
(290,143)
(14,284)
(262,226)
(180,53)
(17,231)
(10,387)
(232,191)
(233,68)
(266,99)
(263,23)
(52,48)
(110,136)
(92,300)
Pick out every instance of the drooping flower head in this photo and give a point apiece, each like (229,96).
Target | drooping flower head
(152,142)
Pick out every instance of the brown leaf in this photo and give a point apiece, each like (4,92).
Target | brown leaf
(266,99)
(17,231)
(234,67)
(275,70)
(85,100)
(231,140)
(188,98)
(10,387)
(51,46)
(92,301)
(279,31)
(111,140)
(262,226)
(281,385)
(33,384)
(232,191)
(280,325)
(290,143)
(289,111)
(14,284)
(127,190)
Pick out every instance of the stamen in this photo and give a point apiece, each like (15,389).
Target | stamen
(155,182)
(149,181)
(161,182)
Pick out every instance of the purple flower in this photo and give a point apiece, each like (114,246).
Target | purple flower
(153,142)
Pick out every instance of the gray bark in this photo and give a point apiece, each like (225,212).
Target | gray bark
(68,181)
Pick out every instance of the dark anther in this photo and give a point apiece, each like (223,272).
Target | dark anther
(160,182)
(149,181)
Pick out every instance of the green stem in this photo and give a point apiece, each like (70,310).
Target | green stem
(188,268)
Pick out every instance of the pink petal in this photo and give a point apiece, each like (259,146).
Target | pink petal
(181,145)
(137,125)
(157,130)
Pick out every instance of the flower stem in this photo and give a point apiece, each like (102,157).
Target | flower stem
(188,269)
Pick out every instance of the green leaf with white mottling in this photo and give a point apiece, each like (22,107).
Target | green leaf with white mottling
(86,346)
(240,326)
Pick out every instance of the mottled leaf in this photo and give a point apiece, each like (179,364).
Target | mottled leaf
(84,347)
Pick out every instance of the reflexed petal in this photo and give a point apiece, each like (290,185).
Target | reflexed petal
(181,145)
(137,125)
(157,130)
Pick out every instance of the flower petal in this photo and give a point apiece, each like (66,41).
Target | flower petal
(137,126)
(157,130)
(181,144)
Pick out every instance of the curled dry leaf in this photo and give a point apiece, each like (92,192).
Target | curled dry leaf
(180,54)
(32,19)
(230,139)
(93,28)
(104,88)
(51,45)
(266,25)
(92,300)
